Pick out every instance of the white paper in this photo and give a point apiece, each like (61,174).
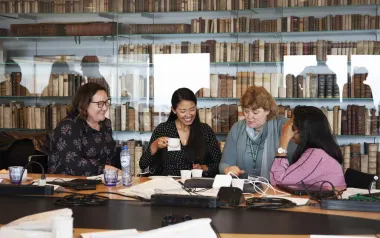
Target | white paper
(163,185)
(110,234)
(354,191)
(200,228)
(53,179)
(38,222)
(101,176)
(10,233)
(298,201)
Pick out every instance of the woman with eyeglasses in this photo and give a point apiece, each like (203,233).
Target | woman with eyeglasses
(251,143)
(317,158)
(82,143)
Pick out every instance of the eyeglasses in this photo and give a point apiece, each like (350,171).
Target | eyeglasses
(102,103)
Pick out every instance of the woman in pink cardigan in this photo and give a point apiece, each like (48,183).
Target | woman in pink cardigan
(317,158)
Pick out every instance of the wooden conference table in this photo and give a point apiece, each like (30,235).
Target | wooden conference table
(121,214)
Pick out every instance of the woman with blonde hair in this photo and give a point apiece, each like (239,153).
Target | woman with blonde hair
(252,143)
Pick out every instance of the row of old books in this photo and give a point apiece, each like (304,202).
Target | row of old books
(284,24)
(17,115)
(258,51)
(76,6)
(367,162)
(301,86)
(141,117)
(11,86)
(354,120)
(135,86)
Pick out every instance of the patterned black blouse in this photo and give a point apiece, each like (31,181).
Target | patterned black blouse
(78,149)
(175,160)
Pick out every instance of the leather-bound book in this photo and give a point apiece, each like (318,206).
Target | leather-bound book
(373,122)
(335,92)
(224,118)
(289,86)
(233,114)
(321,85)
(344,124)
(329,84)
(360,114)
(371,149)
(355,156)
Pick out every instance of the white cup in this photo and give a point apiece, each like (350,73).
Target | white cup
(196,173)
(238,183)
(185,174)
(174,142)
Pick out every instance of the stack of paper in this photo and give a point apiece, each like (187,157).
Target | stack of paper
(41,225)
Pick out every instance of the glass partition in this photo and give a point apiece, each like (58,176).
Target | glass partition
(303,54)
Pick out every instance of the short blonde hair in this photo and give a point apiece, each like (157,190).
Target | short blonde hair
(258,97)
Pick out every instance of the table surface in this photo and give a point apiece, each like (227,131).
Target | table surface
(137,180)
(299,209)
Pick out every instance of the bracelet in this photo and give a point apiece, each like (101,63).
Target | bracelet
(281,157)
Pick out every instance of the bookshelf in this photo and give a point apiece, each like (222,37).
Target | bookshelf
(247,40)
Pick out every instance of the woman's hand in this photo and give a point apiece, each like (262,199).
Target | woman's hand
(235,170)
(287,133)
(202,167)
(158,144)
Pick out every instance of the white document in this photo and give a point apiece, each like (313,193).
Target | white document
(10,233)
(55,186)
(38,222)
(199,228)
(51,179)
(354,191)
(163,185)
(101,177)
(110,234)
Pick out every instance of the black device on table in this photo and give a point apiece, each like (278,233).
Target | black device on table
(77,184)
(304,189)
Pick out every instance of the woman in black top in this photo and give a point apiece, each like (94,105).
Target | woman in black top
(82,143)
(199,147)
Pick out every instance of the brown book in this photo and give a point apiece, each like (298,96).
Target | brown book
(155,28)
(355,161)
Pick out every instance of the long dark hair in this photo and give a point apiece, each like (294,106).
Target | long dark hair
(196,145)
(315,132)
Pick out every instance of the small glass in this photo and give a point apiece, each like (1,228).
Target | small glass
(110,177)
(15,174)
